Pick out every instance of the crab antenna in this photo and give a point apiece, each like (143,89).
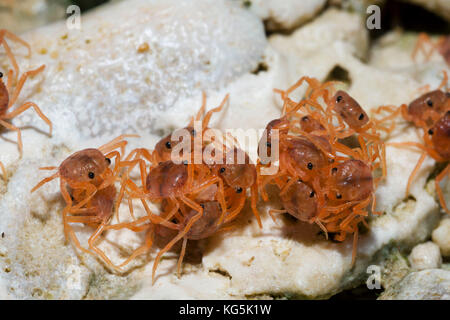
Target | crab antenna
(44,181)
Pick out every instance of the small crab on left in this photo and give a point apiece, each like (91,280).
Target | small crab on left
(87,186)
(9,96)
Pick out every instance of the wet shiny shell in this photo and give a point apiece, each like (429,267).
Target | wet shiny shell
(104,201)
(304,153)
(237,170)
(82,165)
(167,179)
(166,145)
(4,98)
(350,110)
(300,201)
(354,180)
(207,225)
(420,107)
(309,124)
(441,136)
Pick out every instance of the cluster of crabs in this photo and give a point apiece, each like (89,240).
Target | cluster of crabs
(329,156)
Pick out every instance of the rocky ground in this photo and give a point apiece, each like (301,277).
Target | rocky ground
(139,67)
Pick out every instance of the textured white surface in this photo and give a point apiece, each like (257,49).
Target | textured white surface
(288,258)
(441,236)
(425,256)
(393,52)
(107,86)
(433,284)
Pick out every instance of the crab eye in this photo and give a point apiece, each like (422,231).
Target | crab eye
(1,74)
(238,190)
(339,99)
(268,144)
(361,116)
(168,145)
(222,170)
(338,196)
(91,175)
(108,160)
(430,132)
(310,166)
(429,102)
(312,194)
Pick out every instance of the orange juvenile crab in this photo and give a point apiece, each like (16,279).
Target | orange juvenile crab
(340,108)
(6,102)
(425,110)
(164,148)
(229,172)
(337,198)
(184,225)
(436,134)
(350,190)
(177,186)
(198,216)
(87,186)
(238,174)
(321,180)
(8,96)
(197,198)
